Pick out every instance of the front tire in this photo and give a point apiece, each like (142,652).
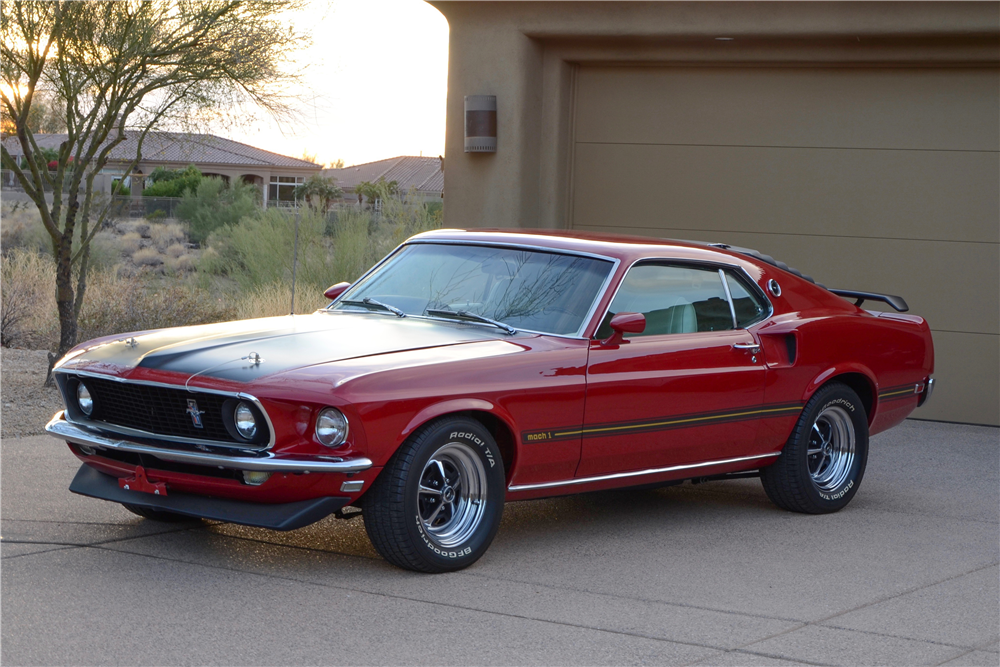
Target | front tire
(437,504)
(821,466)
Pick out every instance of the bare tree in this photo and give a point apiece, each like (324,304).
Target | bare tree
(121,70)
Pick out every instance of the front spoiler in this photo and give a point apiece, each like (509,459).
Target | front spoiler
(60,428)
(281,516)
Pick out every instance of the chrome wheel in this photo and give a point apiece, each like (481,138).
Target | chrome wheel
(831,449)
(451,497)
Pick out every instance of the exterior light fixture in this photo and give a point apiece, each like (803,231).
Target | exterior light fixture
(480,124)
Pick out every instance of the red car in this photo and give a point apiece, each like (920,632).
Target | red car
(470,368)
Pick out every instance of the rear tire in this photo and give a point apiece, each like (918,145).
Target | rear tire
(437,504)
(159,515)
(823,462)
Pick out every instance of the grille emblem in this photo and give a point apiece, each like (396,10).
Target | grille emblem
(195,413)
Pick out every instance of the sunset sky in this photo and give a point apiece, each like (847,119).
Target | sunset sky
(378,73)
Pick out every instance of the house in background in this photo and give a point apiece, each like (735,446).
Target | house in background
(421,179)
(276,175)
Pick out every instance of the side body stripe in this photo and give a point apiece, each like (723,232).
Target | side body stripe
(662,423)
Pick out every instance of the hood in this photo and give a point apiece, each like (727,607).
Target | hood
(229,351)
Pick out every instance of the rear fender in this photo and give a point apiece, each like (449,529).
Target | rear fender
(841,369)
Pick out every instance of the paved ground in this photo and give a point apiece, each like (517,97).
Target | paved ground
(710,574)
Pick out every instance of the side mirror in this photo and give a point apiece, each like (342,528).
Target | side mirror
(624,323)
(334,291)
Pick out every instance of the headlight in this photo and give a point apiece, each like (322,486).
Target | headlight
(84,399)
(331,427)
(246,423)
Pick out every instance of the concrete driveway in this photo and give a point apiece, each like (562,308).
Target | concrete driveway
(710,574)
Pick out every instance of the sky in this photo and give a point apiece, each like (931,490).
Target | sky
(378,77)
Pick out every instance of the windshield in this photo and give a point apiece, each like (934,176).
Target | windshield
(525,289)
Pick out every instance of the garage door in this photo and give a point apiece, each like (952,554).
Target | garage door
(881,179)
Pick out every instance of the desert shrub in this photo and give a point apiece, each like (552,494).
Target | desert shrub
(172,182)
(185,263)
(130,242)
(21,228)
(275,299)
(158,214)
(165,235)
(147,257)
(259,250)
(213,205)
(27,299)
(175,250)
(355,247)
(118,304)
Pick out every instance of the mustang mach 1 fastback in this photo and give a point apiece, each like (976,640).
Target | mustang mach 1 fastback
(470,368)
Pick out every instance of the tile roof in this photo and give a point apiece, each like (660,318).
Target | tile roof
(424,174)
(181,147)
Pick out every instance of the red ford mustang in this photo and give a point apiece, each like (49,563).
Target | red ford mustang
(469,368)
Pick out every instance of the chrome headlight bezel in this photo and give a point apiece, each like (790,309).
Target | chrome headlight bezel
(332,427)
(84,400)
(245,421)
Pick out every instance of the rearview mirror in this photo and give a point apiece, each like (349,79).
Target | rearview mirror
(334,291)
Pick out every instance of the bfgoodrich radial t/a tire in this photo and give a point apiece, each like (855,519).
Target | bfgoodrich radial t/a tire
(824,460)
(437,505)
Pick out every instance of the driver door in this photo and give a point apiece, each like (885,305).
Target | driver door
(688,389)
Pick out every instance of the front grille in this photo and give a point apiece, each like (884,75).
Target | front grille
(158,410)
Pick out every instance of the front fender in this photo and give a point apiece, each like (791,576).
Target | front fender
(452,406)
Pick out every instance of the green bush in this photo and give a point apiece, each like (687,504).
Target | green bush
(172,183)
(213,205)
(259,250)
(340,246)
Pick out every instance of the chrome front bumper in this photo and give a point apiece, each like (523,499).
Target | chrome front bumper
(60,428)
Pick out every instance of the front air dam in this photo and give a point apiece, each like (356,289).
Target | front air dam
(277,516)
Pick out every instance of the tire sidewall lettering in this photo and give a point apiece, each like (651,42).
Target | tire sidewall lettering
(841,495)
(473,439)
(472,548)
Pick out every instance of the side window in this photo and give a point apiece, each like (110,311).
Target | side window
(674,299)
(748,305)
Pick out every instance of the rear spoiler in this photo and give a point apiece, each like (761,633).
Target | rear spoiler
(896,302)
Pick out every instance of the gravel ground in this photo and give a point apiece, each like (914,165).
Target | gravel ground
(27,404)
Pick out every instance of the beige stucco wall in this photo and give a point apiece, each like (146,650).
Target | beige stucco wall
(856,141)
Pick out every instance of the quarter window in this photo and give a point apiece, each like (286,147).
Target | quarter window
(674,299)
(749,306)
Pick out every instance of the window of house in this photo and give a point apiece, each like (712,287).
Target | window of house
(282,188)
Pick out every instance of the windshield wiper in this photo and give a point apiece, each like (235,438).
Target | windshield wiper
(378,305)
(466,315)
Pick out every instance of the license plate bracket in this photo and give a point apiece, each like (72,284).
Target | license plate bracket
(141,483)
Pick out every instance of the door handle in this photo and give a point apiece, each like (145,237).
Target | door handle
(754,348)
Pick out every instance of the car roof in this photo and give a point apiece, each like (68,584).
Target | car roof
(616,246)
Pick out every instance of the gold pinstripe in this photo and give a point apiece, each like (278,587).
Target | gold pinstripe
(908,390)
(671,422)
